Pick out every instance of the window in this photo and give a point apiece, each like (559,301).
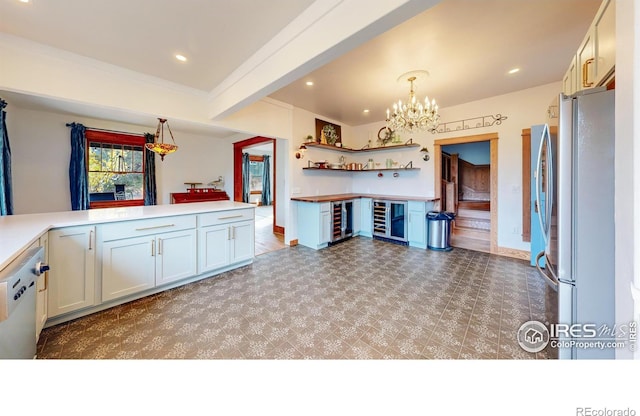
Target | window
(115,166)
(256,169)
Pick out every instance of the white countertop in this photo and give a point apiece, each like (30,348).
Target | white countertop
(18,232)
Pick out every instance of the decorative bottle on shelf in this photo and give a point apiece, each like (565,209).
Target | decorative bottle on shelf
(370,164)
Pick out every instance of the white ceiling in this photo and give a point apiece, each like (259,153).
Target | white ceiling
(467,46)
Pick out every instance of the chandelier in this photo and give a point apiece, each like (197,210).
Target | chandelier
(160,147)
(413,115)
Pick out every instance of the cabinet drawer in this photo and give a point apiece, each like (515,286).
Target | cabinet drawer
(223,217)
(126,229)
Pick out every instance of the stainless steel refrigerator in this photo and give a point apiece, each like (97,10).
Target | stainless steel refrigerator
(574,187)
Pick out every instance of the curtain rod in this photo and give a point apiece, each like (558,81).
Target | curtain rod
(110,131)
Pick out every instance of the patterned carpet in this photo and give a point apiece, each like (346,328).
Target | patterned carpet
(360,299)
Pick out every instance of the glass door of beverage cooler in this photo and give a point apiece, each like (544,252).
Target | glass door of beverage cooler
(397,218)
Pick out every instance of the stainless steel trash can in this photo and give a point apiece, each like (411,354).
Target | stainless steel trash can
(439,226)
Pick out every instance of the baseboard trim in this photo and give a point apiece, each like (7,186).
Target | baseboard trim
(278,229)
(293,243)
(514,253)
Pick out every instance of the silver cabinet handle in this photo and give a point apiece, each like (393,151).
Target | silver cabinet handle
(233,233)
(90,239)
(159,246)
(153,248)
(154,227)
(230,216)
(228,233)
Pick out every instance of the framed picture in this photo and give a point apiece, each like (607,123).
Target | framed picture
(328,133)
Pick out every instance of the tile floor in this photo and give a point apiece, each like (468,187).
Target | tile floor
(360,299)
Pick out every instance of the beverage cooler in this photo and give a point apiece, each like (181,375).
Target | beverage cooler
(389,221)
(341,220)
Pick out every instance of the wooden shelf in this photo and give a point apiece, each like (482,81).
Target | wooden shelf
(370,149)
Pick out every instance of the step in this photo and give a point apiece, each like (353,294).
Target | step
(475,205)
(473,233)
(476,223)
(474,213)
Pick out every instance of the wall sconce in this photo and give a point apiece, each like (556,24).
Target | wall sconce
(425,154)
(300,152)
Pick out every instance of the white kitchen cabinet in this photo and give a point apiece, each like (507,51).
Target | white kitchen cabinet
(586,61)
(128,266)
(570,79)
(42,289)
(314,224)
(594,62)
(175,256)
(417,229)
(72,257)
(225,244)
(605,41)
(242,242)
(366,217)
(135,264)
(357,213)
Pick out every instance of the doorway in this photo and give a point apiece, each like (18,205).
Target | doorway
(261,152)
(474,202)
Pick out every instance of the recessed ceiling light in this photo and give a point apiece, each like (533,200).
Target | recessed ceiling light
(181,58)
(514,70)
(309,83)
(366,111)
(24,1)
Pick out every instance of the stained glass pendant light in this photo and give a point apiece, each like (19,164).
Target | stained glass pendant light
(159,146)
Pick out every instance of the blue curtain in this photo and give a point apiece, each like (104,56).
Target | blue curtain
(6,195)
(246,180)
(150,190)
(266,181)
(78,178)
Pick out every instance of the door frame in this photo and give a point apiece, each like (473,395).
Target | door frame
(492,138)
(238,147)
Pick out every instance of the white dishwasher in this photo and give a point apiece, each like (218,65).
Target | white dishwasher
(18,304)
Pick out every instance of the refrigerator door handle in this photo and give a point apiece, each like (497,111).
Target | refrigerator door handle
(537,175)
(551,278)
(549,182)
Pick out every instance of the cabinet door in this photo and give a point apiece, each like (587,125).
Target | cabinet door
(356,212)
(72,273)
(325,227)
(41,287)
(586,62)
(128,266)
(176,256)
(570,80)
(605,38)
(417,229)
(398,220)
(366,217)
(213,247)
(242,241)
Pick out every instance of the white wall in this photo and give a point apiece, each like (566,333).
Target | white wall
(40,145)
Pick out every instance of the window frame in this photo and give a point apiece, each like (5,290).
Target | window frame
(124,139)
